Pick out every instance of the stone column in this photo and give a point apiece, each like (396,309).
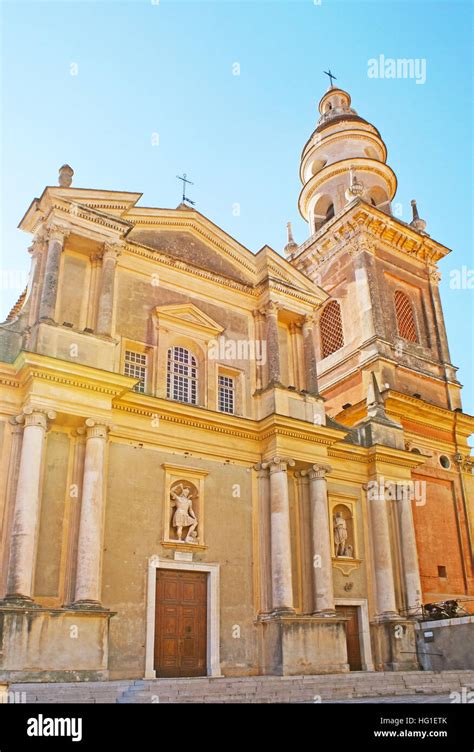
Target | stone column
(258,324)
(282,585)
(89,549)
(38,250)
(382,554)
(323,590)
(367,286)
(57,235)
(264,536)
(95,268)
(440,328)
(305,537)
(107,287)
(310,360)
(411,570)
(27,502)
(294,329)
(273,343)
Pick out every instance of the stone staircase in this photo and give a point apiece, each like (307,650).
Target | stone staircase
(250,689)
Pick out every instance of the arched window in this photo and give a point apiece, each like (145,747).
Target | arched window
(405,317)
(323,212)
(330,328)
(181,376)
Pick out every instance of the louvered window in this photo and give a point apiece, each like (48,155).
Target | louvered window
(330,327)
(405,317)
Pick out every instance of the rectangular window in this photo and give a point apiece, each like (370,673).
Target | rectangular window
(181,378)
(226,394)
(135,366)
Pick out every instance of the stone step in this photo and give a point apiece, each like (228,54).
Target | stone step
(257,689)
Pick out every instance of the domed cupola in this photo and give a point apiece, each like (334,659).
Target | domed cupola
(344,159)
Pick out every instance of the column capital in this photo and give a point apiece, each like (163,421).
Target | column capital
(301,475)
(39,244)
(278,464)
(93,428)
(57,230)
(309,319)
(271,308)
(35,416)
(434,276)
(465,463)
(113,249)
(317,472)
(96,258)
(295,326)
(362,241)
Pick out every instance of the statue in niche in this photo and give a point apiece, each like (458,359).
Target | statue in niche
(340,536)
(184,516)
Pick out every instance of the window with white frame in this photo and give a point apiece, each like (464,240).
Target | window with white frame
(226,401)
(135,365)
(181,375)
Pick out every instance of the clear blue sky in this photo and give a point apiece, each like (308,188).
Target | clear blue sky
(166,68)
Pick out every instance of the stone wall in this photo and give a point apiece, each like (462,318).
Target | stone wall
(446,644)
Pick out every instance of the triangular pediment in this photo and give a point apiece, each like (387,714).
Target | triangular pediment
(185,235)
(188,316)
(280,272)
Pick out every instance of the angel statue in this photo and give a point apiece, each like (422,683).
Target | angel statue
(184,515)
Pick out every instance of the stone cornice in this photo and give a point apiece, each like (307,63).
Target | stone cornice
(208,420)
(29,366)
(386,231)
(196,222)
(78,212)
(389,455)
(401,404)
(139,249)
(281,287)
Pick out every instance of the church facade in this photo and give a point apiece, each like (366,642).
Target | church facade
(216,462)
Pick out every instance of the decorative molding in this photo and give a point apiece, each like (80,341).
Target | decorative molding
(181,222)
(278,464)
(363,164)
(346,566)
(32,415)
(465,463)
(75,382)
(386,230)
(80,211)
(189,316)
(140,249)
(434,276)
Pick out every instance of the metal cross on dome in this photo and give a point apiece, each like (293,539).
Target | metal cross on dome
(331,77)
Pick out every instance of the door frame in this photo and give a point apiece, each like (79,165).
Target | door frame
(213,611)
(364,629)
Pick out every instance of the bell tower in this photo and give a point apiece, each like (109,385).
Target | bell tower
(345,158)
(384,313)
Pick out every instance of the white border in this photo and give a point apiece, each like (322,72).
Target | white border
(364,629)
(213,611)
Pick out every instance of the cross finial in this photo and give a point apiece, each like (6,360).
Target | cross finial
(331,77)
(184,177)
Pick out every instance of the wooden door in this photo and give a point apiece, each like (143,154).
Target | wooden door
(180,623)
(352,636)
